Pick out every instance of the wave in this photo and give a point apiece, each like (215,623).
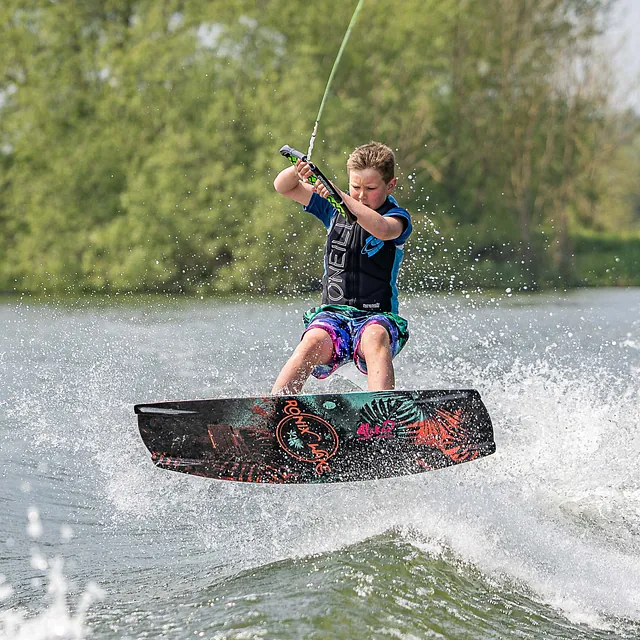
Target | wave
(544,532)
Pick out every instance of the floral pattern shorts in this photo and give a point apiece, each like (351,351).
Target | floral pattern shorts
(345,325)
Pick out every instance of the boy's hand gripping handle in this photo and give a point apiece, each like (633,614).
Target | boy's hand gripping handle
(334,196)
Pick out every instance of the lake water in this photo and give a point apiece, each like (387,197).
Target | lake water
(540,540)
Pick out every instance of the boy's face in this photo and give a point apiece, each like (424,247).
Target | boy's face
(367,186)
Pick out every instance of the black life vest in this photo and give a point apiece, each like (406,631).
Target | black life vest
(360,270)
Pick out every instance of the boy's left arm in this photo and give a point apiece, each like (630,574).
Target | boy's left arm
(381,227)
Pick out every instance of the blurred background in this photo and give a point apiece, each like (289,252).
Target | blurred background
(139,140)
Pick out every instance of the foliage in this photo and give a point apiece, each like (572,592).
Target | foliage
(139,139)
(607,260)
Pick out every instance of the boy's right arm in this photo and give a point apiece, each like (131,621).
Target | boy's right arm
(288,183)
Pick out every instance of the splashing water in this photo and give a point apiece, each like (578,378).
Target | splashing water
(550,521)
(57,620)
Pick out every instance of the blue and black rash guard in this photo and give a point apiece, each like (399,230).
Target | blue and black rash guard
(359,269)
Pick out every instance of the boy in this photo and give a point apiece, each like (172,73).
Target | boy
(357,319)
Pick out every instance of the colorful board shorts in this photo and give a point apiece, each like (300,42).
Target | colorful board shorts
(345,326)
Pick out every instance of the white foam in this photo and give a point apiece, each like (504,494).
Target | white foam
(55,618)
(555,510)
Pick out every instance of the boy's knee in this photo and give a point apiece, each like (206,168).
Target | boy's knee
(316,341)
(375,336)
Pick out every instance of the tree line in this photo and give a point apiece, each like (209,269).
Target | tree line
(139,140)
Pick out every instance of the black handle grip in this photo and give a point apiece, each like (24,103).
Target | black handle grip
(290,152)
(334,197)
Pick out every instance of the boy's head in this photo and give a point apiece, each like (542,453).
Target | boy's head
(374,155)
(371,169)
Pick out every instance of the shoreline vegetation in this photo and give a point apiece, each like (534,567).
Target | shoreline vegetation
(599,260)
(311,298)
(139,142)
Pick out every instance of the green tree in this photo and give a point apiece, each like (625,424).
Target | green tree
(139,138)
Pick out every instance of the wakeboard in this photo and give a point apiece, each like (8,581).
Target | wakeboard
(334,437)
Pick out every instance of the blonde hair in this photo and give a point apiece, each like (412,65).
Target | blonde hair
(373,155)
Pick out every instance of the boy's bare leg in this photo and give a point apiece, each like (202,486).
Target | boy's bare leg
(375,347)
(316,347)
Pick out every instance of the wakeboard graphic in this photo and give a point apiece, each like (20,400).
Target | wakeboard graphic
(335,437)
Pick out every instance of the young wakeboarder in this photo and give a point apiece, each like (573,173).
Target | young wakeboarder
(358,319)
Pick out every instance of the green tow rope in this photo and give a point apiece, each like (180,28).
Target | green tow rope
(333,71)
